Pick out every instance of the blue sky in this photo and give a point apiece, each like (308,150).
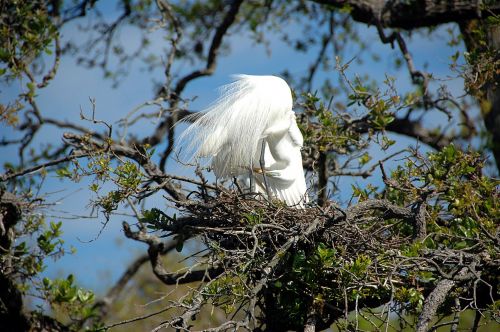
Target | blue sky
(97,264)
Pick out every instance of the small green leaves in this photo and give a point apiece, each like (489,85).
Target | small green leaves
(46,282)
(225,291)
(26,31)
(31,90)
(94,187)
(324,255)
(253,218)
(464,201)
(364,159)
(21,249)
(63,172)
(360,265)
(64,295)
(411,250)
(9,112)
(156,219)
(129,175)
(49,240)
(410,298)
(363,193)
(179,245)
(386,143)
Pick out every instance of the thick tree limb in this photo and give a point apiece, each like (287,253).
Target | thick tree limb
(11,300)
(477,319)
(420,229)
(413,129)
(322,178)
(12,312)
(310,325)
(10,214)
(156,247)
(416,130)
(489,96)
(414,14)
(433,301)
(389,210)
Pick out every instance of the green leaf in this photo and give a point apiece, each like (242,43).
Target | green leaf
(179,245)
(46,282)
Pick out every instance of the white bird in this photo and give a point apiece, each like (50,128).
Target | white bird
(251,114)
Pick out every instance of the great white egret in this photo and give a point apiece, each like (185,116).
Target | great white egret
(250,132)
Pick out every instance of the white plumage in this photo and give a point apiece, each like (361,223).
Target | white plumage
(252,112)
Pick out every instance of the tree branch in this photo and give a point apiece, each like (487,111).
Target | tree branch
(322,178)
(415,129)
(8,176)
(390,210)
(414,14)
(432,302)
(168,124)
(435,299)
(214,48)
(144,161)
(311,318)
(156,247)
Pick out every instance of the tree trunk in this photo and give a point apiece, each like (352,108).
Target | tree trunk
(322,179)
(492,115)
(489,96)
(12,317)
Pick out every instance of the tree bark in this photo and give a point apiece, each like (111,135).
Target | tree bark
(310,325)
(432,302)
(12,317)
(12,312)
(489,98)
(492,115)
(322,179)
(416,13)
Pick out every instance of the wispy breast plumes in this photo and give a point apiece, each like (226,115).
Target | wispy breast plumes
(252,112)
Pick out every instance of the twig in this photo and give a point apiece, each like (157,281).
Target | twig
(8,176)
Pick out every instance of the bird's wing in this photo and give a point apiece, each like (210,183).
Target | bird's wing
(285,180)
(295,134)
(292,192)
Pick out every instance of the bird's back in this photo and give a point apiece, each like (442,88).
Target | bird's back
(230,129)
